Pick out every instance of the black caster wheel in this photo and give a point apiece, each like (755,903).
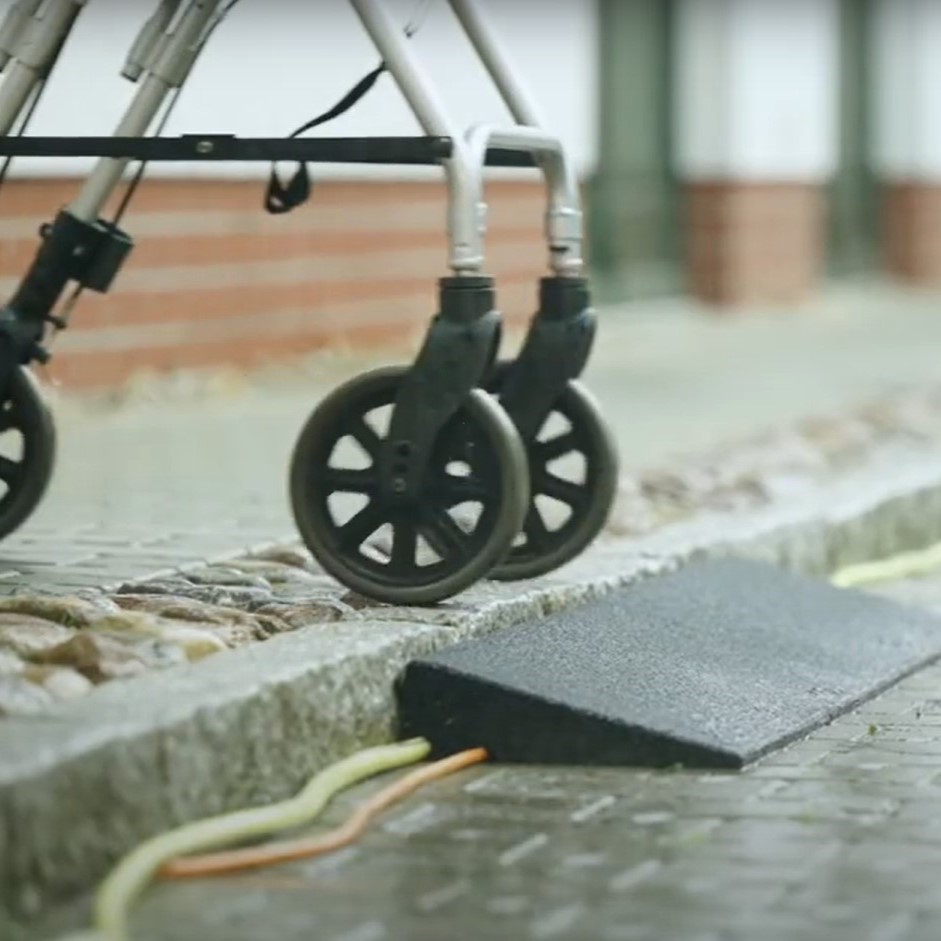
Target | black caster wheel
(27,450)
(471,507)
(573,467)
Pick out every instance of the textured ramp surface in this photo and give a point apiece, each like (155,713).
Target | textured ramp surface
(712,666)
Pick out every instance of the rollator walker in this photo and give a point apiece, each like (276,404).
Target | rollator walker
(450,461)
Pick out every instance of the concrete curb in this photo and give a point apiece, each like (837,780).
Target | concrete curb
(81,785)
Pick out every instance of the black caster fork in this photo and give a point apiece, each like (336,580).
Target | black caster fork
(573,461)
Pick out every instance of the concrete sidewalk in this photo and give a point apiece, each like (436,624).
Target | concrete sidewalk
(153,486)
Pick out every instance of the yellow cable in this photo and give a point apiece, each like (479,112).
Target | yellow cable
(271,854)
(904,565)
(128,879)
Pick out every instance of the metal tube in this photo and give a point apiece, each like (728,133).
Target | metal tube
(169,71)
(564,215)
(11,30)
(142,50)
(497,63)
(39,40)
(466,210)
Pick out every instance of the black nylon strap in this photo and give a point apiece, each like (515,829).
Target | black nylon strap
(283,197)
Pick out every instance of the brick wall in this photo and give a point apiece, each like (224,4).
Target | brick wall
(752,243)
(912,232)
(214,279)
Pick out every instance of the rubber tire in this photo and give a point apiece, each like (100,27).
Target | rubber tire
(577,402)
(514,473)
(39,453)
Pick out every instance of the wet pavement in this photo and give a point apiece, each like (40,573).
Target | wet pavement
(836,837)
(163,483)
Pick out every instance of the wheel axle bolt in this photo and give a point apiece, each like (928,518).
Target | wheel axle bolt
(399,485)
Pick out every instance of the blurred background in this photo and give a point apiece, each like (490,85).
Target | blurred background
(744,154)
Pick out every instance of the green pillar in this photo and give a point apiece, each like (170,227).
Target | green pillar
(854,194)
(633,197)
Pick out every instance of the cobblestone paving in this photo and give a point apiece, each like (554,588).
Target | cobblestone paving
(143,493)
(838,837)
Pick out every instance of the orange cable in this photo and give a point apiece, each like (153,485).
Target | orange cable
(269,854)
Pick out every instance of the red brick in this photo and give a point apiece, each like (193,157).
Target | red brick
(231,319)
(912,232)
(753,243)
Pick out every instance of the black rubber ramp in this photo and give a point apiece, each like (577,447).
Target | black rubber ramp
(712,667)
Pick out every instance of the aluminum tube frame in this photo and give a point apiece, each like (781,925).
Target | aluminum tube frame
(14,23)
(466,214)
(147,44)
(467,209)
(36,44)
(563,220)
(564,217)
(178,52)
(497,63)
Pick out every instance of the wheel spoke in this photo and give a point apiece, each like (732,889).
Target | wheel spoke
(361,526)
(444,535)
(8,420)
(535,526)
(564,491)
(350,480)
(9,470)
(454,490)
(404,545)
(556,447)
(365,437)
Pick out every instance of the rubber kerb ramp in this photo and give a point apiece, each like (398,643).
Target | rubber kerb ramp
(711,667)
